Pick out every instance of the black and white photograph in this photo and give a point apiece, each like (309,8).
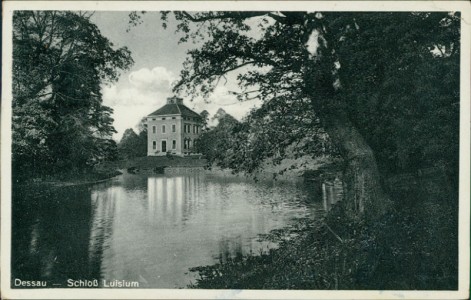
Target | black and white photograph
(235,150)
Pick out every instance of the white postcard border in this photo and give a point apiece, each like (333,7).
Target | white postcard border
(464,192)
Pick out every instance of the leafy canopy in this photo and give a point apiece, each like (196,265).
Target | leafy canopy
(60,59)
(395,76)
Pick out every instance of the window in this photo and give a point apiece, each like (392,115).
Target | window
(189,144)
(173,118)
(197,129)
(153,119)
(154,145)
(194,128)
(174,144)
(153,129)
(184,144)
(163,128)
(174,128)
(163,118)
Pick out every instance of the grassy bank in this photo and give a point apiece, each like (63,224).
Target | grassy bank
(413,247)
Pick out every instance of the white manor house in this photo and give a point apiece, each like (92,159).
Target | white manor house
(173,128)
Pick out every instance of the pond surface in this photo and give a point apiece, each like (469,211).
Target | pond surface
(152,229)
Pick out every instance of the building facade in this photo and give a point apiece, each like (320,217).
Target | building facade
(173,128)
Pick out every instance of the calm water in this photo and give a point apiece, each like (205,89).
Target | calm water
(151,229)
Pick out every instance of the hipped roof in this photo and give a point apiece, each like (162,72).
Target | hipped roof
(175,109)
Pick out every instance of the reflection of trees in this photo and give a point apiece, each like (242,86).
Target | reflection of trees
(332,191)
(230,248)
(51,234)
(280,195)
(132,182)
(103,204)
(237,247)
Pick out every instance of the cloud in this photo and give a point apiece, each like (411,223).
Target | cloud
(143,86)
(130,96)
(222,97)
(157,79)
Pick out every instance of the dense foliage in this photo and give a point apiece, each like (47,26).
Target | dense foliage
(384,87)
(265,135)
(396,74)
(217,143)
(132,145)
(400,80)
(60,59)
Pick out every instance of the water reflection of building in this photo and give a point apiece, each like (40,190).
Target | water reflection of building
(173,199)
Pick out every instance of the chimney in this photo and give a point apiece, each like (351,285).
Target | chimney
(174,100)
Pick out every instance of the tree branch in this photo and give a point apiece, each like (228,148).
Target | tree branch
(239,16)
(239,66)
(227,15)
(221,73)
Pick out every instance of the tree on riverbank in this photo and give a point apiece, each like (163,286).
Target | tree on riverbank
(217,143)
(383,86)
(132,145)
(60,59)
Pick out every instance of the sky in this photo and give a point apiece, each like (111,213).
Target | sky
(158,60)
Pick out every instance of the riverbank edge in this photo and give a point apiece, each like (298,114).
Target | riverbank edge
(108,170)
(88,178)
(320,168)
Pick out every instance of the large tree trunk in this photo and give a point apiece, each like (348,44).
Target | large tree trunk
(363,191)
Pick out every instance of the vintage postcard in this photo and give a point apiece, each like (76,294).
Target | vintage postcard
(235,150)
